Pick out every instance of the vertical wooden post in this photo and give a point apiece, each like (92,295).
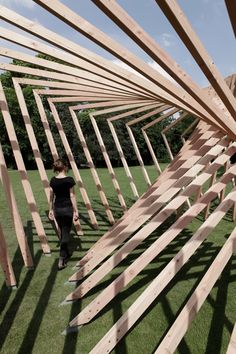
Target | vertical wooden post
(5,261)
(15,215)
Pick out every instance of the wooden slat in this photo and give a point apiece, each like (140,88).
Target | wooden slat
(155,222)
(166,129)
(5,261)
(186,152)
(122,326)
(41,32)
(232,344)
(152,204)
(166,87)
(108,162)
(69,59)
(127,24)
(231,7)
(14,212)
(52,147)
(118,145)
(73,164)
(192,307)
(93,170)
(22,170)
(182,26)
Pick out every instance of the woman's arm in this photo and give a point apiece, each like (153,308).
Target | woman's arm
(51,199)
(74,204)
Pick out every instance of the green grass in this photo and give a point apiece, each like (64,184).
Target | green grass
(31,320)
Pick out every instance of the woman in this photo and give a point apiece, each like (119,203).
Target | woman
(63,207)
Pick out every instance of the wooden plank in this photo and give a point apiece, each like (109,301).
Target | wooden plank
(195,122)
(184,155)
(70,86)
(161,109)
(73,164)
(139,157)
(194,304)
(147,43)
(82,93)
(128,319)
(5,261)
(155,222)
(14,212)
(71,59)
(56,40)
(232,344)
(166,129)
(118,145)
(32,138)
(108,162)
(160,195)
(52,147)
(93,170)
(165,86)
(231,7)
(182,26)
(82,74)
(22,170)
(152,153)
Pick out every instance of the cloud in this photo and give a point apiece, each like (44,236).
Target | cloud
(125,66)
(29,4)
(167,39)
(152,64)
(158,68)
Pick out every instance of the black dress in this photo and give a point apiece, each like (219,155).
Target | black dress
(63,210)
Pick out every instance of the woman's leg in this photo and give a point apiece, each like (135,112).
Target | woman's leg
(64,218)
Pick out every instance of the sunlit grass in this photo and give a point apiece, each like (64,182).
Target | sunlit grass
(31,320)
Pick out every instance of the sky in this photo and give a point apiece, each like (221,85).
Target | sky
(209,19)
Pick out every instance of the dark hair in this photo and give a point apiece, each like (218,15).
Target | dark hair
(60,165)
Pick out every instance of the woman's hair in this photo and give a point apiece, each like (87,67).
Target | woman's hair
(60,165)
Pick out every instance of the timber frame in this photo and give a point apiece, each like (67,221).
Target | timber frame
(84,80)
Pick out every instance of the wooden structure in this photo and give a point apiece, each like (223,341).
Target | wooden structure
(86,80)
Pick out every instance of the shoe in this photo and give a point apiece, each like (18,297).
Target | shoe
(61,264)
(67,258)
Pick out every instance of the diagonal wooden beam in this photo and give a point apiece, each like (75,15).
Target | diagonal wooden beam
(154,223)
(182,26)
(5,261)
(231,7)
(154,202)
(165,86)
(129,318)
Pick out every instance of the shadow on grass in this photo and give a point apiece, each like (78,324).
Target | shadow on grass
(71,339)
(16,303)
(17,265)
(203,258)
(34,325)
(5,292)
(219,320)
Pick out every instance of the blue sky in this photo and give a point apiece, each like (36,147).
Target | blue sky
(209,19)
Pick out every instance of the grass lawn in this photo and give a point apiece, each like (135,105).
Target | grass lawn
(31,320)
